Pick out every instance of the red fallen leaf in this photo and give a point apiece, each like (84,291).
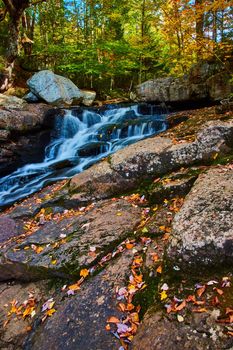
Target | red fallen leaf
(200,291)
(113,319)
(215,301)
(181,306)
(199,310)
(219,291)
(191,298)
(230,333)
(229,310)
(129,307)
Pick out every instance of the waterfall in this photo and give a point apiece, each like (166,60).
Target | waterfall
(80,138)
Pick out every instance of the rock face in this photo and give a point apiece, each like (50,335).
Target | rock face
(8,228)
(199,332)
(204,82)
(53,88)
(202,230)
(88,97)
(106,224)
(11,102)
(80,321)
(13,334)
(149,158)
(21,137)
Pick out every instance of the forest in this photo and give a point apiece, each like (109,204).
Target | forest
(113,45)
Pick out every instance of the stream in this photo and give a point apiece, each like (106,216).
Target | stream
(79,139)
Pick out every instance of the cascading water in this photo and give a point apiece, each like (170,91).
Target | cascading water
(80,138)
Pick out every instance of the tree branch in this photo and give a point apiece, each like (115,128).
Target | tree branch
(37,2)
(9,6)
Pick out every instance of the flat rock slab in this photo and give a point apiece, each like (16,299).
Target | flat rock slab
(202,230)
(8,228)
(198,332)
(149,158)
(62,247)
(80,321)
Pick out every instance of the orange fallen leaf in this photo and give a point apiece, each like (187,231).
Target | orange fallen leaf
(84,273)
(108,327)
(113,319)
(159,269)
(181,306)
(219,291)
(129,245)
(200,291)
(199,310)
(122,306)
(74,287)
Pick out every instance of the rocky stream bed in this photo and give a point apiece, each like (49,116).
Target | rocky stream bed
(136,252)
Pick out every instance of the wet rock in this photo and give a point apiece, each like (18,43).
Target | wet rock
(8,228)
(202,230)
(98,182)
(103,227)
(80,321)
(13,334)
(88,97)
(53,88)
(21,134)
(197,332)
(149,158)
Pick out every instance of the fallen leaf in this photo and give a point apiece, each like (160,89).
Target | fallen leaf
(199,310)
(50,312)
(84,273)
(113,319)
(180,318)
(108,327)
(181,306)
(159,269)
(219,291)
(129,245)
(163,295)
(200,291)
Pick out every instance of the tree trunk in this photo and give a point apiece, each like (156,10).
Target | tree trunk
(13,48)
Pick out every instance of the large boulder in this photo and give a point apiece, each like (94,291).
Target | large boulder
(204,81)
(53,88)
(88,97)
(21,138)
(202,230)
(147,159)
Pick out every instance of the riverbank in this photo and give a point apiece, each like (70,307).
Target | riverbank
(135,252)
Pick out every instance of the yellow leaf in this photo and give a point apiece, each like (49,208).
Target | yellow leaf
(163,295)
(53,262)
(50,312)
(84,273)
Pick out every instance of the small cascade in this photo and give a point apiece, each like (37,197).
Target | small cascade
(80,138)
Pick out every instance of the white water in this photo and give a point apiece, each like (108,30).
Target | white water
(81,138)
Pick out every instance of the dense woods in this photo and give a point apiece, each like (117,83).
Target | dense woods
(114,44)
